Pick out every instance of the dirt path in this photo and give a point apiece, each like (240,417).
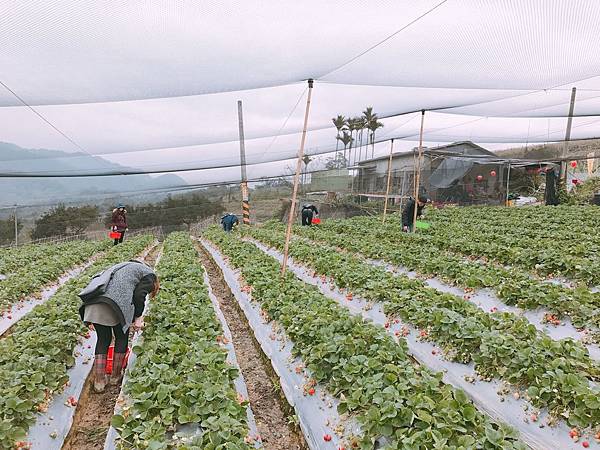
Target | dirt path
(271,411)
(94,411)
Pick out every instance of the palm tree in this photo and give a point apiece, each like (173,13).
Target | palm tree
(339,122)
(372,123)
(354,125)
(346,139)
(373,126)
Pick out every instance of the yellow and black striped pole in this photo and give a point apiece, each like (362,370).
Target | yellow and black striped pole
(245,203)
(244,184)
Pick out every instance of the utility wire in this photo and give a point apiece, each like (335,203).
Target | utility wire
(37,113)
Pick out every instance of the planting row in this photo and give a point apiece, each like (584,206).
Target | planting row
(512,286)
(543,256)
(13,259)
(572,230)
(40,265)
(397,402)
(180,391)
(556,374)
(35,356)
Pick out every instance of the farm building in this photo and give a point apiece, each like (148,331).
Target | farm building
(457,172)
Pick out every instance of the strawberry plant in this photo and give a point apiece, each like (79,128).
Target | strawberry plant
(35,266)
(501,345)
(181,375)
(35,357)
(511,285)
(376,380)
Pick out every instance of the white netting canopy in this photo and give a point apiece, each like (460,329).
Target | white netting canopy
(152,86)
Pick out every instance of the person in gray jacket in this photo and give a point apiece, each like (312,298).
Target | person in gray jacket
(113,302)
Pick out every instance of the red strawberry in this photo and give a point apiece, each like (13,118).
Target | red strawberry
(311,391)
(586,444)
(327,438)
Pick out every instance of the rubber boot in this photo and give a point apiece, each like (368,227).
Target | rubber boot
(117,369)
(100,379)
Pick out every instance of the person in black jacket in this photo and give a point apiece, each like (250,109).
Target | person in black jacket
(408,213)
(308,211)
(113,311)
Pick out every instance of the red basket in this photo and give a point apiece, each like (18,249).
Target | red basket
(109,359)
(316,221)
(114,235)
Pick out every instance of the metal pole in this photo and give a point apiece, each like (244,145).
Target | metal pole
(563,164)
(389,178)
(244,184)
(296,180)
(507,183)
(418,179)
(16,229)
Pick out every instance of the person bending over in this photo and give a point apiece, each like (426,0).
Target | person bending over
(228,221)
(113,301)
(408,212)
(308,211)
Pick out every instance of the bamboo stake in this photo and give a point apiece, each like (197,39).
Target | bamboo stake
(418,178)
(296,181)
(389,178)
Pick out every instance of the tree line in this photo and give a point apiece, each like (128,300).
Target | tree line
(64,221)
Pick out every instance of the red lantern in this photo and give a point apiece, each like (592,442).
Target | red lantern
(479,177)
(493,173)
(573,164)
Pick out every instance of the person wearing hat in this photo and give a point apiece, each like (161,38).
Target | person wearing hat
(228,221)
(308,211)
(119,222)
(408,212)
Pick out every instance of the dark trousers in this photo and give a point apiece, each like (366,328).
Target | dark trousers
(105,335)
(227,226)
(118,241)
(307,216)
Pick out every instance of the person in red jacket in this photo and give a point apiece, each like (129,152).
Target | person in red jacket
(119,222)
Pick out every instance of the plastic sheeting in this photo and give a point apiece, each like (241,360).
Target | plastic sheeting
(317,414)
(484,394)
(149,83)
(240,384)
(97,51)
(487,300)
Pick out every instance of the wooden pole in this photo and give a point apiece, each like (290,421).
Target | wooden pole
(507,183)
(389,178)
(291,215)
(244,183)
(418,177)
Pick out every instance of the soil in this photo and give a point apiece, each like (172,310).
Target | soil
(271,411)
(95,410)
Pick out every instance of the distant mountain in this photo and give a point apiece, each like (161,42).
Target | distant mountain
(26,191)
